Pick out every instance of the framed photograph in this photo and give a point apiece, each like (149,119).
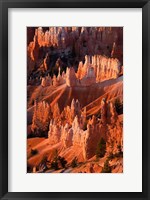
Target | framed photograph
(74,99)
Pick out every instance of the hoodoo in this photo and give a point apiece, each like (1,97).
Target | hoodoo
(75,99)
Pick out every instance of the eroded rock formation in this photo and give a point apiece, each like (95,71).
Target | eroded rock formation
(75,95)
(88,73)
(71,44)
(72,133)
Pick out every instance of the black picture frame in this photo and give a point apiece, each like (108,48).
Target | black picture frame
(4,6)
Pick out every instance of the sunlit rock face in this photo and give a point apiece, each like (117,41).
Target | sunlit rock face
(46,81)
(75,94)
(59,80)
(72,133)
(99,69)
(77,42)
(54,133)
(67,135)
(88,79)
(71,79)
(109,127)
(70,112)
(78,133)
(106,68)
(91,139)
(47,38)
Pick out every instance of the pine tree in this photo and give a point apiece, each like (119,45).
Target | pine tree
(74,162)
(106,168)
(101,148)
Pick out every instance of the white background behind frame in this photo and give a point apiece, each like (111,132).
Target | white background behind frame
(131,179)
